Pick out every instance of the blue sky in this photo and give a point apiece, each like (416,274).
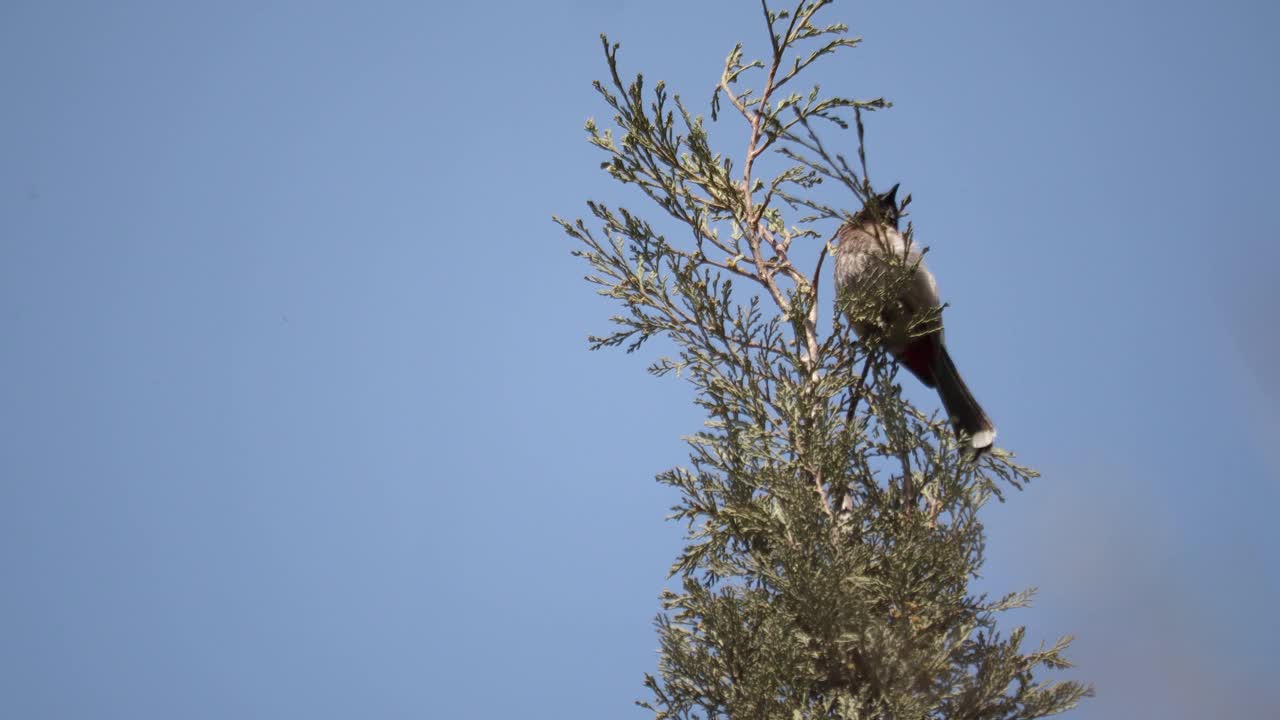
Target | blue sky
(296,416)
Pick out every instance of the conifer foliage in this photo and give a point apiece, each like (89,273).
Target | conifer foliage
(833,527)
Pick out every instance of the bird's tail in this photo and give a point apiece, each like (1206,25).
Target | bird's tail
(966,414)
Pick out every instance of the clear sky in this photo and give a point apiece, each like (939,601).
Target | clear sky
(297,419)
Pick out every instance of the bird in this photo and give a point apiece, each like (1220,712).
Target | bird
(870,246)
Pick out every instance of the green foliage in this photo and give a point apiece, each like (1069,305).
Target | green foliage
(832,526)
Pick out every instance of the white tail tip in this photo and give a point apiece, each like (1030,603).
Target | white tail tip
(982,439)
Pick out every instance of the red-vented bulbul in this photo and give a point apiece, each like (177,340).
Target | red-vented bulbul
(865,244)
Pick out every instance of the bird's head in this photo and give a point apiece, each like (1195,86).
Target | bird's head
(881,208)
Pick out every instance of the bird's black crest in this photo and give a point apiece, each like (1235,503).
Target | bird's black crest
(882,207)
